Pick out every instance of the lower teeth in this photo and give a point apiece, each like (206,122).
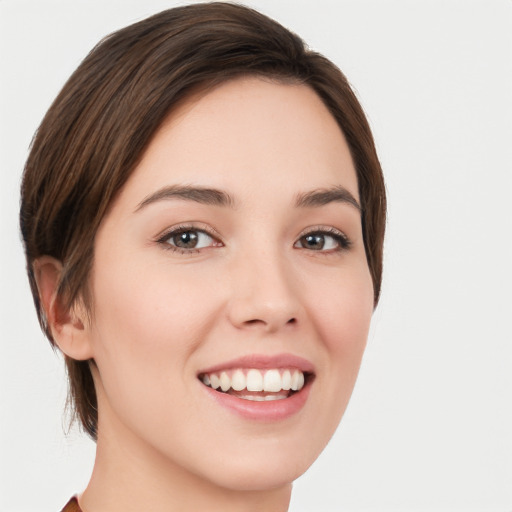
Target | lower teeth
(258,397)
(266,398)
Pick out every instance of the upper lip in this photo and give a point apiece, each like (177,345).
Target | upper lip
(263,362)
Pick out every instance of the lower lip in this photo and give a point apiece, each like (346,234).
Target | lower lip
(272,410)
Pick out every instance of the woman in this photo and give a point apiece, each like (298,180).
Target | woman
(203,214)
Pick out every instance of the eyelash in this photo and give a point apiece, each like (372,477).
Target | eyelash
(343,242)
(185,228)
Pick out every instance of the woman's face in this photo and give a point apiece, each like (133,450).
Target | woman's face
(233,255)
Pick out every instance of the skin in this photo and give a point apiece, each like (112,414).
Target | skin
(254,287)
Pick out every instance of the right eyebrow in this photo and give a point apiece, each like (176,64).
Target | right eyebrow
(204,195)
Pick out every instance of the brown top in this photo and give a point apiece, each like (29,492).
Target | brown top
(72,506)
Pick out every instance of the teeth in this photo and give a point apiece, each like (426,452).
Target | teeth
(269,398)
(263,398)
(300,383)
(255,398)
(287,380)
(238,381)
(214,381)
(295,380)
(254,380)
(272,381)
(269,381)
(225,381)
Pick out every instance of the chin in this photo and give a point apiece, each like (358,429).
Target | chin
(246,476)
(267,464)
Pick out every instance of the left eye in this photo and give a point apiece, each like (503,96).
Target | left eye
(321,242)
(189,239)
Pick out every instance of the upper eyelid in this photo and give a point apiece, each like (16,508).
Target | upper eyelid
(330,230)
(193,226)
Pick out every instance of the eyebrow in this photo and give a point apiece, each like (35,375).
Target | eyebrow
(324,196)
(202,195)
(216,197)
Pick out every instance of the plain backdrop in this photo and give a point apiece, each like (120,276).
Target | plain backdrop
(429,427)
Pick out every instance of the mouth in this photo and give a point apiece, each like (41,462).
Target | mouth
(257,385)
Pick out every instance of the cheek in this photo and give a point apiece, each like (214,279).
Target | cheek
(344,310)
(342,321)
(146,324)
(151,306)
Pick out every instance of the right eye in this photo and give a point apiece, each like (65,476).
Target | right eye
(188,240)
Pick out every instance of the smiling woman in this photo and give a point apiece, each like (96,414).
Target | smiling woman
(203,214)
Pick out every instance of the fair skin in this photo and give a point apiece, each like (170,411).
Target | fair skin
(185,281)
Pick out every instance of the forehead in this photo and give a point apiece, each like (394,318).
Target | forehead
(248,135)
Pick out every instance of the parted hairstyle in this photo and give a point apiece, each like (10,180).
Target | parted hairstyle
(100,124)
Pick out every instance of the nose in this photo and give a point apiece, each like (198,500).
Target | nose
(264,295)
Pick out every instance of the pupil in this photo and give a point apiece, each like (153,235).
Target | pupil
(187,239)
(315,241)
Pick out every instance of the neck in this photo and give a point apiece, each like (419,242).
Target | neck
(130,475)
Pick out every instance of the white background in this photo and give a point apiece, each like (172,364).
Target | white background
(429,427)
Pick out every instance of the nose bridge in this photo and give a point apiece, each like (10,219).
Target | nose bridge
(263,291)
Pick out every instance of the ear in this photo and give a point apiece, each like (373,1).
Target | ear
(68,326)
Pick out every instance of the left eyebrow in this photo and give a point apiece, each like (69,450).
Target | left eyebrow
(324,196)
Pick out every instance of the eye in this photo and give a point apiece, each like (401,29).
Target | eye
(331,240)
(188,239)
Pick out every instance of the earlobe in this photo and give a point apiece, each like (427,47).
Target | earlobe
(68,326)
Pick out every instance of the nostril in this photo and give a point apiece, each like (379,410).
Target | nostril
(254,321)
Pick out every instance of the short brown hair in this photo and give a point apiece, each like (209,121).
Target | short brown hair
(100,124)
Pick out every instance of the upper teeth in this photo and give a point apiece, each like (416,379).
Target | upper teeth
(255,380)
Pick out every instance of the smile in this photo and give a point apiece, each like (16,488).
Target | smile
(260,387)
(255,384)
